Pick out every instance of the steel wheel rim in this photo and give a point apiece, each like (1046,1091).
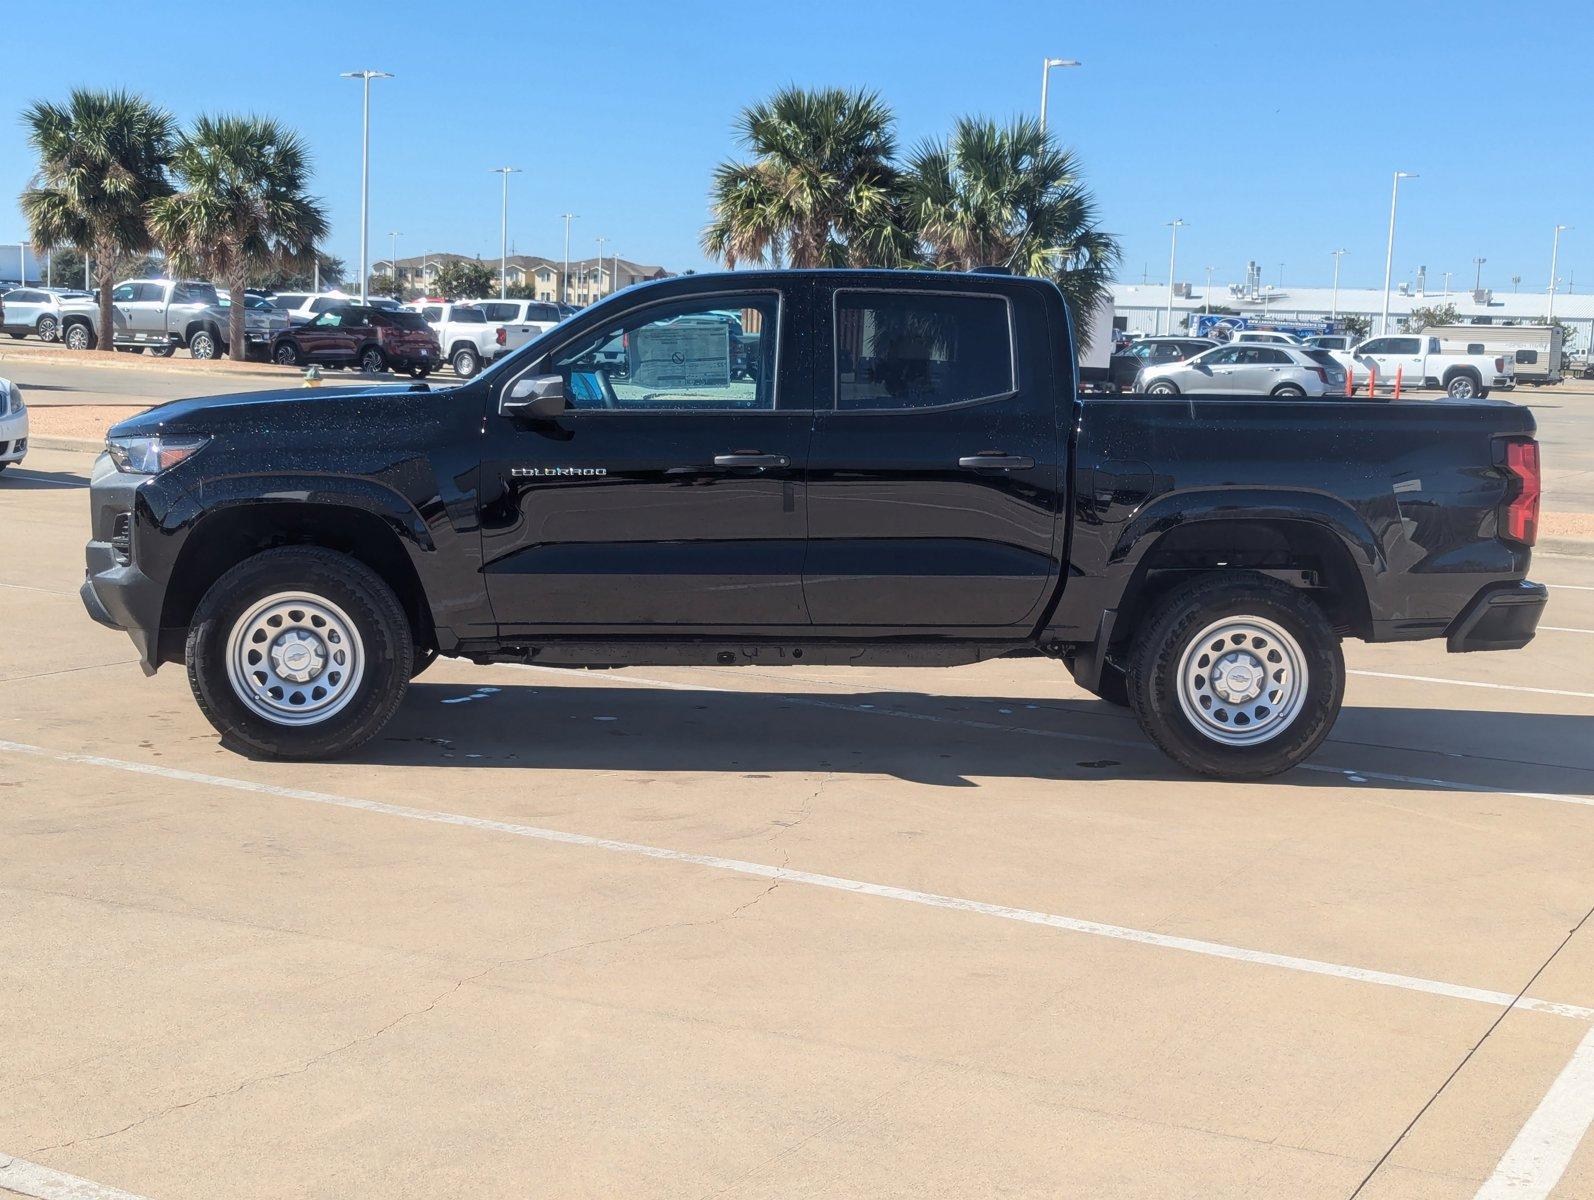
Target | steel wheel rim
(1242,680)
(294,658)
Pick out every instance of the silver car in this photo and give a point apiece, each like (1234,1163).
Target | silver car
(37,311)
(1246,369)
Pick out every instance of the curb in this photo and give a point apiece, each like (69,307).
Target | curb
(138,362)
(76,445)
(1569,547)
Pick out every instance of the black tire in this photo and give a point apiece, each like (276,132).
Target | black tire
(372,360)
(1191,612)
(1289,390)
(1463,385)
(48,328)
(466,362)
(286,354)
(1162,387)
(416,372)
(79,336)
(162,351)
(371,607)
(20,336)
(204,345)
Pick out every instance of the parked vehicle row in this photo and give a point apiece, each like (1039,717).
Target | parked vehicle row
(36,311)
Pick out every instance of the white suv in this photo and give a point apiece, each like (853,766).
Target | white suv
(13,424)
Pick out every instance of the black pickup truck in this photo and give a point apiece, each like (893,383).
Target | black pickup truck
(906,475)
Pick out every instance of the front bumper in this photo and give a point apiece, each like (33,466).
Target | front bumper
(1502,616)
(123,597)
(14,437)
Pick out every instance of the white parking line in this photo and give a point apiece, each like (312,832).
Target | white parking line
(1543,1148)
(856,887)
(1499,687)
(30,1179)
(1570,587)
(1562,629)
(1347,774)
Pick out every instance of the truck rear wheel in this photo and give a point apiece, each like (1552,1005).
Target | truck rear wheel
(466,362)
(204,345)
(299,652)
(1239,677)
(1463,386)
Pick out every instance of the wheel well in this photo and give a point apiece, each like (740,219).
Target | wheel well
(201,327)
(368,346)
(224,539)
(458,346)
(1463,370)
(1304,555)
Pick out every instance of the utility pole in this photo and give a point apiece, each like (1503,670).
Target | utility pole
(1046,76)
(1555,251)
(565,290)
(503,232)
(598,286)
(1173,257)
(1389,254)
(392,256)
(1516,281)
(1477,275)
(1207,296)
(1337,255)
(365,174)
(1447,285)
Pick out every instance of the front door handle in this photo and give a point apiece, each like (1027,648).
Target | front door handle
(751,458)
(995,460)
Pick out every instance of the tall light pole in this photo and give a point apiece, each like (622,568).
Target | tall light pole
(1389,254)
(565,290)
(1447,284)
(1046,77)
(1555,251)
(598,286)
(393,237)
(365,172)
(1207,296)
(1173,258)
(22,254)
(1338,254)
(503,232)
(1477,274)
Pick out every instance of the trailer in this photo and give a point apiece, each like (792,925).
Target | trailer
(1096,347)
(1537,349)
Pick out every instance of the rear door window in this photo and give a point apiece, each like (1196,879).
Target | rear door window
(907,350)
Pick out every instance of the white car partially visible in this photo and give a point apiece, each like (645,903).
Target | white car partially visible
(13,424)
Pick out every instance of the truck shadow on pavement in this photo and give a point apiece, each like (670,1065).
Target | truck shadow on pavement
(23,479)
(937,739)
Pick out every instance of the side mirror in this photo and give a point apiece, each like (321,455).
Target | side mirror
(535,397)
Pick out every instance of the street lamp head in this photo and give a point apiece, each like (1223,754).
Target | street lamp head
(1064,62)
(1405,175)
(504,170)
(1176,222)
(365,74)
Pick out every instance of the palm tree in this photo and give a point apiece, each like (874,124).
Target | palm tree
(102,160)
(1010,196)
(241,207)
(821,190)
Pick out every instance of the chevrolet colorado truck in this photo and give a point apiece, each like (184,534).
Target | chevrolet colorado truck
(908,477)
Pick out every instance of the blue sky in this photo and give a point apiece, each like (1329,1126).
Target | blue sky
(1272,129)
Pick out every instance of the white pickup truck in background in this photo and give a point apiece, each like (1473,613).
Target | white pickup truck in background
(1422,363)
(541,315)
(469,339)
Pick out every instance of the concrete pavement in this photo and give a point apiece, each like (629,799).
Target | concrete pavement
(685,932)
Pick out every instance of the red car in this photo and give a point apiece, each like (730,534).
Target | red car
(354,335)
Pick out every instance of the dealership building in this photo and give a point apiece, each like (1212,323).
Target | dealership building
(1143,307)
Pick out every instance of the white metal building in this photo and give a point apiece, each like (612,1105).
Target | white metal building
(1143,307)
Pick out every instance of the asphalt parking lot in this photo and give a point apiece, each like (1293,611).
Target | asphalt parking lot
(819,932)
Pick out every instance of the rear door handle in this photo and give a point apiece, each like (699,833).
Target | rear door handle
(994,460)
(751,458)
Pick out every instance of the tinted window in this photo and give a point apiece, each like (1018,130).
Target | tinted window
(499,312)
(195,293)
(543,312)
(322,303)
(432,313)
(289,300)
(1224,357)
(1404,346)
(675,357)
(404,320)
(122,294)
(1273,358)
(148,292)
(920,350)
(469,316)
(1323,358)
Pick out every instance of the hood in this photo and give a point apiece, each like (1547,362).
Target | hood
(240,410)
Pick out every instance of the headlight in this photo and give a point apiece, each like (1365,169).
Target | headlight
(151,455)
(10,398)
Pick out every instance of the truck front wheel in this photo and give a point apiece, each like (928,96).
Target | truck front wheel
(300,653)
(1239,677)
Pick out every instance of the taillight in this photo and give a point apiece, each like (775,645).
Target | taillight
(1520,520)
(1499,366)
(1322,374)
(499,336)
